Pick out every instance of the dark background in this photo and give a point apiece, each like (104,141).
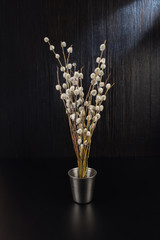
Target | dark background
(35,144)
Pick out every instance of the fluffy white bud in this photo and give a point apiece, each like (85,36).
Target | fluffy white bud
(103,98)
(86,103)
(79,131)
(72,116)
(81,75)
(46,39)
(72,88)
(80,89)
(101,84)
(70,50)
(81,94)
(64,75)
(76,92)
(76,74)
(81,109)
(72,79)
(98,116)
(89,117)
(69,66)
(102,47)
(98,98)
(92,112)
(88,134)
(97,70)
(85,142)
(68,92)
(75,82)
(101,108)
(101,73)
(93,92)
(79,141)
(103,60)
(97,108)
(85,130)
(78,120)
(62,69)
(108,86)
(93,81)
(58,87)
(51,47)
(68,76)
(98,78)
(64,85)
(63,44)
(92,75)
(98,59)
(57,56)
(78,102)
(100,90)
(94,119)
(103,66)
(63,96)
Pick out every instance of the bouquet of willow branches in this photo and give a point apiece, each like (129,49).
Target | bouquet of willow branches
(83,113)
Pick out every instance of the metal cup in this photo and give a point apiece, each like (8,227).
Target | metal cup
(82,188)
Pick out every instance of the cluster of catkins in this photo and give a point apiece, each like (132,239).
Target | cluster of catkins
(83,113)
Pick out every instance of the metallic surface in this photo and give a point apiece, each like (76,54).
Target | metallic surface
(82,188)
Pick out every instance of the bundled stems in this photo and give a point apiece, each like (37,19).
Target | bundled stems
(83,113)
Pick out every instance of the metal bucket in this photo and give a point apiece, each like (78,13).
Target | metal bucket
(82,188)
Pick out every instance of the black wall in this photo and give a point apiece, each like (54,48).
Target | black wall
(33,123)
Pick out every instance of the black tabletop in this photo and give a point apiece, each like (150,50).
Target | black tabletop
(36,203)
